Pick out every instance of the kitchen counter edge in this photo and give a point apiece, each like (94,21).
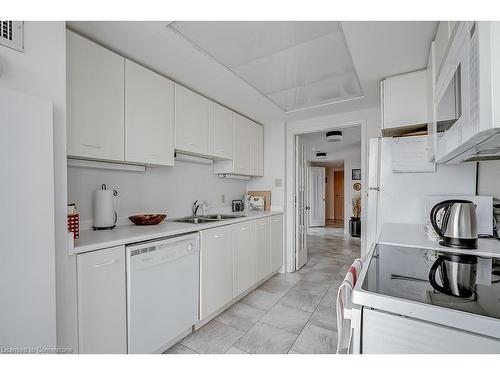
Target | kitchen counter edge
(91,240)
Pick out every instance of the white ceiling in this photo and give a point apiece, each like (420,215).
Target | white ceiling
(378,50)
(335,151)
(296,65)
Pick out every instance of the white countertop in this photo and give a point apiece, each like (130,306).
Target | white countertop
(415,235)
(91,240)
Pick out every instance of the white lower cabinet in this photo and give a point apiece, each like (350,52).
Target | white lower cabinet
(263,246)
(244,258)
(385,333)
(102,310)
(216,270)
(276,242)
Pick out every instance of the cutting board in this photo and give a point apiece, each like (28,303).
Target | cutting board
(264,194)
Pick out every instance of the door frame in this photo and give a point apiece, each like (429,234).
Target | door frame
(292,131)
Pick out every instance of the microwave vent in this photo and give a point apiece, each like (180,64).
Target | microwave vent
(11,34)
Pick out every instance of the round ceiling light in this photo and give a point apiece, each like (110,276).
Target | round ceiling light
(320,155)
(334,136)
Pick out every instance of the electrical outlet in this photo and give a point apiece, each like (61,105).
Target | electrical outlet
(278,182)
(223,198)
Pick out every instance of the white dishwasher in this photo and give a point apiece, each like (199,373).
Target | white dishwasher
(162,292)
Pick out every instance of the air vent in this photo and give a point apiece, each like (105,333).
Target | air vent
(11,34)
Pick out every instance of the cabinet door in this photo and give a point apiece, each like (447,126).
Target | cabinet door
(257,149)
(149,116)
(221,131)
(191,121)
(441,43)
(243,141)
(102,315)
(405,100)
(244,255)
(263,246)
(276,242)
(95,100)
(216,270)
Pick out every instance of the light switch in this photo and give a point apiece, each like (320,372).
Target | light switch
(223,198)
(278,182)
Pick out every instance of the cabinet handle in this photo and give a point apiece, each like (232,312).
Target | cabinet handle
(109,262)
(90,145)
(244,228)
(218,235)
(150,154)
(147,259)
(262,224)
(192,144)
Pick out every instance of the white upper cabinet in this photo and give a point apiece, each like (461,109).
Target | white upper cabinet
(257,150)
(441,43)
(248,149)
(404,101)
(242,158)
(191,122)
(149,116)
(221,131)
(95,100)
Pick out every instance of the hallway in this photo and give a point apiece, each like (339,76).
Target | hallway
(290,313)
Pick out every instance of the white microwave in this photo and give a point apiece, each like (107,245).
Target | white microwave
(466,113)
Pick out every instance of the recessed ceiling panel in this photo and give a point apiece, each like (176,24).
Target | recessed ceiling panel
(296,65)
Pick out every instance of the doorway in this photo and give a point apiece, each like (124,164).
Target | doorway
(324,190)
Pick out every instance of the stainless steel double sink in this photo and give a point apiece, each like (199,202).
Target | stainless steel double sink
(206,218)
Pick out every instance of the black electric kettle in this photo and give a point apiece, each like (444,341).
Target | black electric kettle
(458,224)
(457,273)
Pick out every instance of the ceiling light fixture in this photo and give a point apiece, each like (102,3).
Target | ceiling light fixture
(320,155)
(334,136)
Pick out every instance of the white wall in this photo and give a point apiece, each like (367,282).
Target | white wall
(171,190)
(41,71)
(489,178)
(351,161)
(274,165)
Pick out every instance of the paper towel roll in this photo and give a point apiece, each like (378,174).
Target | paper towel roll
(104,209)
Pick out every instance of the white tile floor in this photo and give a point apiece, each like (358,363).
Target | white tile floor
(291,313)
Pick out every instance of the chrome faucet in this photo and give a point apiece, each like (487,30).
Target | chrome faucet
(197,205)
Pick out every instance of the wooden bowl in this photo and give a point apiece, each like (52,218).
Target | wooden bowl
(147,219)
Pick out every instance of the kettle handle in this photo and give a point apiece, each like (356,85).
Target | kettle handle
(432,276)
(433,214)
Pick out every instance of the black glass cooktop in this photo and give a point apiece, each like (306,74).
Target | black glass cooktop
(403,272)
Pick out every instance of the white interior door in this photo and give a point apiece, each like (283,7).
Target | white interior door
(301,198)
(317,196)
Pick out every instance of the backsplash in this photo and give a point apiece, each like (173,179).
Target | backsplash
(170,190)
(489,178)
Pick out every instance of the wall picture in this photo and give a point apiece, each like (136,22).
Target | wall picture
(356,174)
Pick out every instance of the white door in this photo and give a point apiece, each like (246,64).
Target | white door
(317,196)
(300,205)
